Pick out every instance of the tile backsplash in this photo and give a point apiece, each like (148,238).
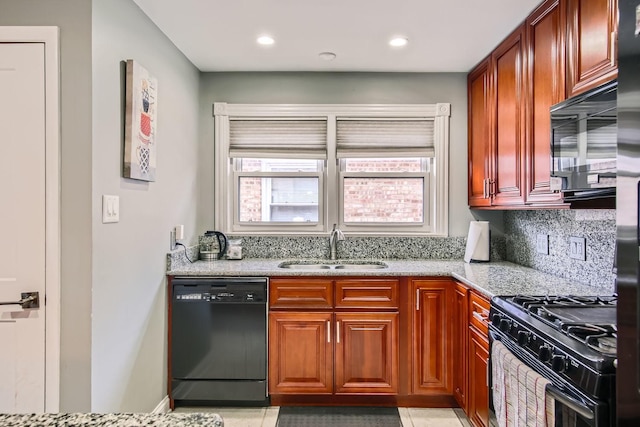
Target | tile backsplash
(363,247)
(296,247)
(598,227)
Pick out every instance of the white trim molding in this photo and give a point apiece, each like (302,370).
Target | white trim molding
(436,177)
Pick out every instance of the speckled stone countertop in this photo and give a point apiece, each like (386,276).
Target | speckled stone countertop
(494,278)
(112,420)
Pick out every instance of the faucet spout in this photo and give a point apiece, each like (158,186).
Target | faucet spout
(335,235)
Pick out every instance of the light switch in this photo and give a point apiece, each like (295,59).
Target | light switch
(110,209)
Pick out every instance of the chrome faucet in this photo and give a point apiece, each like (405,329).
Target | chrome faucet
(336,234)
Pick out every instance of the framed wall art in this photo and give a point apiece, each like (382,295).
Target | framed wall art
(140,123)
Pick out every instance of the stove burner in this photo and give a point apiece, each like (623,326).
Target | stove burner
(601,338)
(608,344)
(528,302)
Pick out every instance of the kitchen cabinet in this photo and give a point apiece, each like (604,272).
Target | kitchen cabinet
(479,134)
(433,336)
(478,360)
(478,407)
(507,107)
(564,47)
(496,126)
(352,349)
(591,44)
(544,87)
(300,353)
(461,328)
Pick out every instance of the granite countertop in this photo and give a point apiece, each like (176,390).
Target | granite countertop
(490,279)
(112,420)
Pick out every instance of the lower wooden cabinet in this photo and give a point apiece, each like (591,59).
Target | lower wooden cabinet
(432,337)
(300,353)
(478,406)
(366,355)
(352,348)
(460,350)
(404,341)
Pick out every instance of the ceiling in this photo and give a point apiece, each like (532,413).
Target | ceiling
(444,35)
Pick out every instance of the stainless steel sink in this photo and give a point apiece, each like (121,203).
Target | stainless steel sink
(367,266)
(295,266)
(340,265)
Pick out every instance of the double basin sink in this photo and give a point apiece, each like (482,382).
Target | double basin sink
(336,265)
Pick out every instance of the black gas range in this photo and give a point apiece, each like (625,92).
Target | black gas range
(571,341)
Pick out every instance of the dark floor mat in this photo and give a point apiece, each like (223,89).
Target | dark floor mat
(333,416)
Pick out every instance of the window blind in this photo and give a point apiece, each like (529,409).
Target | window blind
(385,138)
(282,139)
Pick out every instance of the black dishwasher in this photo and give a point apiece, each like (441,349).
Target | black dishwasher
(218,349)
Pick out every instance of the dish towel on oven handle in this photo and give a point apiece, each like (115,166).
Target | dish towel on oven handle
(519,396)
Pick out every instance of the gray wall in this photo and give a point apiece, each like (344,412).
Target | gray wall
(73,17)
(129,327)
(598,227)
(345,88)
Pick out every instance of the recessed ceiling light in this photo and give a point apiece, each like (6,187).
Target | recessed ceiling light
(327,56)
(398,41)
(266,40)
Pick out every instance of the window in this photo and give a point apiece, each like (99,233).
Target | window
(298,169)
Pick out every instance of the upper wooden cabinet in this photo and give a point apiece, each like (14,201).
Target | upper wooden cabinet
(479,128)
(545,86)
(564,47)
(592,27)
(507,184)
(496,126)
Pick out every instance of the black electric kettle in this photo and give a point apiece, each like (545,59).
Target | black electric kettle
(222,241)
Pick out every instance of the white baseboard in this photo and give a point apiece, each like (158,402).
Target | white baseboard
(163,407)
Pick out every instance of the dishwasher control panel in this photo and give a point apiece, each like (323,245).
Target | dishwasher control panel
(221,293)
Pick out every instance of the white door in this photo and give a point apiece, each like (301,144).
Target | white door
(22,225)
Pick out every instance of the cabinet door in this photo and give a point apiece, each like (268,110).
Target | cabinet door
(432,337)
(478,409)
(460,345)
(545,87)
(591,45)
(479,139)
(366,353)
(300,353)
(507,187)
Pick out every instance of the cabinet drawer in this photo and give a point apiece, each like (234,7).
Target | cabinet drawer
(367,293)
(479,312)
(300,293)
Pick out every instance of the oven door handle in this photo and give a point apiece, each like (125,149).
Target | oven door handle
(570,402)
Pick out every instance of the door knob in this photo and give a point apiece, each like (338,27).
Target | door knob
(27,300)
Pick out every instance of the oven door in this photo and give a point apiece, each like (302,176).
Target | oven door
(573,408)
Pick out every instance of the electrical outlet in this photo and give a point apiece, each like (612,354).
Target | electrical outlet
(110,209)
(542,244)
(578,248)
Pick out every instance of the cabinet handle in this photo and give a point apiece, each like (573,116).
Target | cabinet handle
(417,299)
(484,188)
(337,332)
(328,331)
(480,317)
(613,48)
(487,374)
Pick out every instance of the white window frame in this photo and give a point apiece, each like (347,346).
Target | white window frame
(331,178)
(428,202)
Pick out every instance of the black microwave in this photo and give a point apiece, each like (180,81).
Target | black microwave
(584,139)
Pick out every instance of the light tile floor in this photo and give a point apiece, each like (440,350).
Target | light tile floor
(267,417)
